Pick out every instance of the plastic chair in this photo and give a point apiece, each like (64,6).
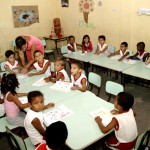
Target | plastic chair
(95,79)
(111,48)
(2,66)
(47,51)
(113,88)
(17,142)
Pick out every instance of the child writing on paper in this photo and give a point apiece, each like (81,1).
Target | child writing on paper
(12,105)
(140,52)
(59,74)
(123,122)
(101,46)
(78,79)
(55,135)
(123,51)
(41,65)
(34,122)
(11,63)
(86,44)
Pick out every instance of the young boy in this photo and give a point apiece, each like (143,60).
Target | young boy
(78,79)
(123,52)
(41,65)
(55,135)
(123,123)
(33,122)
(101,46)
(60,73)
(11,63)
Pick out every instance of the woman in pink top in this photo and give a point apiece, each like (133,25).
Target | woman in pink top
(12,105)
(28,44)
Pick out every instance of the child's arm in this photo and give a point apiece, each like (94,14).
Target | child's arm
(83,88)
(134,56)
(37,125)
(42,71)
(58,77)
(126,54)
(22,94)
(48,79)
(71,48)
(106,129)
(9,70)
(19,68)
(49,105)
(148,61)
(103,50)
(115,53)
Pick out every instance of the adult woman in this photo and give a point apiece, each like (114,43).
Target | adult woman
(28,44)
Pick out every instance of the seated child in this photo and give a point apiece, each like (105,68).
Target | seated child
(34,122)
(146,58)
(123,52)
(41,65)
(123,122)
(60,73)
(140,52)
(55,135)
(86,44)
(12,105)
(101,46)
(78,79)
(11,63)
(2,111)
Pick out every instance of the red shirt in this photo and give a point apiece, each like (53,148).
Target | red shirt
(88,47)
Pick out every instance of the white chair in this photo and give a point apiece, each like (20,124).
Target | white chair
(95,79)
(111,48)
(2,66)
(17,142)
(113,88)
(47,51)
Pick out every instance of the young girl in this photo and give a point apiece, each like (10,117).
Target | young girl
(34,122)
(123,123)
(101,46)
(12,105)
(60,73)
(123,52)
(86,44)
(41,65)
(78,79)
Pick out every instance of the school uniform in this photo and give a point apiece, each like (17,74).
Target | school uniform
(88,47)
(43,146)
(140,56)
(121,53)
(11,66)
(73,47)
(101,48)
(64,73)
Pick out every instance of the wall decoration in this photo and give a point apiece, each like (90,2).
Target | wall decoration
(65,3)
(143,11)
(82,23)
(99,3)
(25,15)
(86,6)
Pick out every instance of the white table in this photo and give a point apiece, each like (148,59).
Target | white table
(82,128)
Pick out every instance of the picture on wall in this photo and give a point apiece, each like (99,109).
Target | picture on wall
(65,3)
(25,15)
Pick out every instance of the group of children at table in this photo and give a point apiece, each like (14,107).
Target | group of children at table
(123,120)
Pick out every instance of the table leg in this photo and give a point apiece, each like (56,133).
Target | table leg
(56,46)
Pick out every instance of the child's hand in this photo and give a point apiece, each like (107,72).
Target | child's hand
(114,112)
(47,79)
(108,55)
(49,105)
(74,88)
(119,59)
(30,74)
(24,70)
(98,119)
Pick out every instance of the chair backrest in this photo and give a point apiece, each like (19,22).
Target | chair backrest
(16,141)
(2,66)
(13,43)
(111,48)
(94,79)
(113,88)
(52,67)
(94,48)
(64,50)
(43,42)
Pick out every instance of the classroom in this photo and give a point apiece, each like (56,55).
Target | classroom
(75,74)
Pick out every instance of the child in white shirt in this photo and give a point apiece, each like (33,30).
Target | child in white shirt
(123,123)
(78,79)
(41,65)
(34,122)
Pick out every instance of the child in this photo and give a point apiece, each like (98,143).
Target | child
(86,44)
(78,79)
(55,135)
(11,63)
(34,123)
(123,52)
(147,58)
(101,46)
(123,122)
(72,46)
(12,105)
(41,65)
(140,51)
(60,73)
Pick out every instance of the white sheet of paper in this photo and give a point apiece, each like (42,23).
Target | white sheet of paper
(116,57)
(130,61)
(104,114)
(40,82)
(62,86)
(57,114)
(147,66)
(22,76)
(23,99)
